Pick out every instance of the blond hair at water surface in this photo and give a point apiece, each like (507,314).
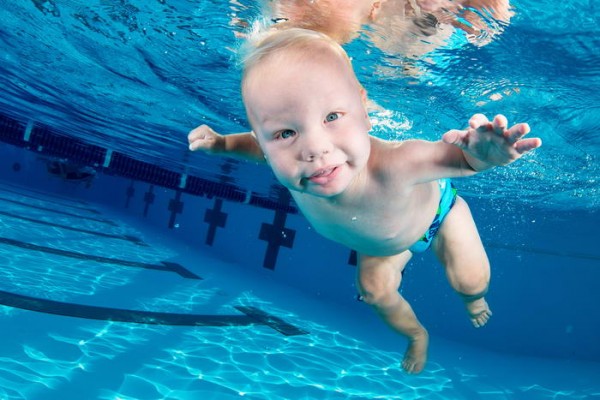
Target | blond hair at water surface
(298,43)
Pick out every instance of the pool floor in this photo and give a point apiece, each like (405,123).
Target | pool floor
(95,306)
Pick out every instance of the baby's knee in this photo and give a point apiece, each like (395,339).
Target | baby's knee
(375,299)
(376,292)
(379,277)
(473,284)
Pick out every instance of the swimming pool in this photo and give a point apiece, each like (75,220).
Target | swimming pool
(170,275)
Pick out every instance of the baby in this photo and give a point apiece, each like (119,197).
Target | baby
(384,199)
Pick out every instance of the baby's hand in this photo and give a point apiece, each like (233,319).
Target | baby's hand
(204,138)
(491,143)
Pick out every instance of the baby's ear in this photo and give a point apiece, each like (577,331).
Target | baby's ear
(363,95)
(258,144)
(253,134)
(367,104)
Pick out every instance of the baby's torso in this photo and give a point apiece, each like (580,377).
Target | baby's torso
(385,222)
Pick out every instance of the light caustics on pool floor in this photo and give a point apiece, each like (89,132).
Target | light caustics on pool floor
(76,319)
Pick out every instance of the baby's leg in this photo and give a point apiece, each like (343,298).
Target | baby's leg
(459,248)
(378,281)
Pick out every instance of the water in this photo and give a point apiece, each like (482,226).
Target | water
(136,76)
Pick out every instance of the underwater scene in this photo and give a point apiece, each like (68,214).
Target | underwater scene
(135,268)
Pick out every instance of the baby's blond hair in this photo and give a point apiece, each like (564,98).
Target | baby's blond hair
(304,43)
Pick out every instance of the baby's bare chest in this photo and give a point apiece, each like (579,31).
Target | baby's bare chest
(376,227)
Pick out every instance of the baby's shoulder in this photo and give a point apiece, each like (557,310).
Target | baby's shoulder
(399,158)
(386,155)
(385,148)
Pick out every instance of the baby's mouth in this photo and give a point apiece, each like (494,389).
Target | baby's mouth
(322,172)
(323,175)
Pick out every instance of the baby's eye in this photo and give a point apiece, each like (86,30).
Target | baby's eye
(286,134)
(332,117)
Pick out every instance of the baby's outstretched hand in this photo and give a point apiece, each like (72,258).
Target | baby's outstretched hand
(492,143)
(204,138)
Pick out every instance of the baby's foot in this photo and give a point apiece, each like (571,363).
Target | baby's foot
(479,312)
(416,353)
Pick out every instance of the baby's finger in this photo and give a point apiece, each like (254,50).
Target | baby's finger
(198,133)
(196,145)
(516,132)
(500,123)
(478,121)
(202,142)
(193,135)
(525,145)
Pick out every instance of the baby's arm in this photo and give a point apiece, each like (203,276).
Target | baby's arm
(486,144)
(242,145)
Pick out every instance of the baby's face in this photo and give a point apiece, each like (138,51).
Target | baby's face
(310,120)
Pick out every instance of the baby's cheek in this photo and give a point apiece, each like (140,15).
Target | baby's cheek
(279,169)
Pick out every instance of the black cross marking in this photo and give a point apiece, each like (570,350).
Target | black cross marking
(176,207)
(216,219)
(276,234)
(129,194)
(148,199)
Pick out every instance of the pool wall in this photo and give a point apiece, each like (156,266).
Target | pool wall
(545,268)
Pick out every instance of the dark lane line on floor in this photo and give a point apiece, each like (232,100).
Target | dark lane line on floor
(251,315)
(104,221)
(166,266)
(62,201)
(128,238)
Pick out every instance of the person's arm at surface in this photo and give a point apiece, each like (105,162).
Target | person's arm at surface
(242,145)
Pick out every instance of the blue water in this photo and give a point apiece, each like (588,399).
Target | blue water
(136,76)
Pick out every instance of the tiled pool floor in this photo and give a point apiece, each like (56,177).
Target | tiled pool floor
(98,308)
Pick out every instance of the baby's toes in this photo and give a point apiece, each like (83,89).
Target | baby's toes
(481,319)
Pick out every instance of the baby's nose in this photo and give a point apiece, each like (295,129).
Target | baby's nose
(315,148)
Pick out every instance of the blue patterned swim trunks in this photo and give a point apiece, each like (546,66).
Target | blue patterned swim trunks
(447,200)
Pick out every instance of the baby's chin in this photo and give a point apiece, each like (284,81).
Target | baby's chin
(315,191)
